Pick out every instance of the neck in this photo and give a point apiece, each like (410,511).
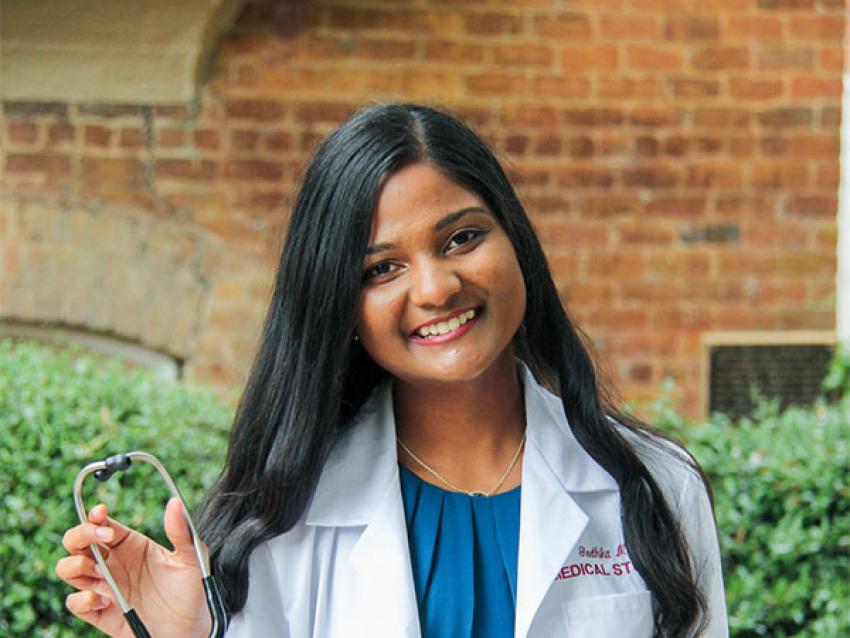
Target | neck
(468,431)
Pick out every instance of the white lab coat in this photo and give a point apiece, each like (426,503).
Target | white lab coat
(345,571)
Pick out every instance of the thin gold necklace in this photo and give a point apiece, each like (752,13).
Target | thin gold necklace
(455,488)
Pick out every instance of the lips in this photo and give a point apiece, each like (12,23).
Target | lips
(445,323)
(448,327)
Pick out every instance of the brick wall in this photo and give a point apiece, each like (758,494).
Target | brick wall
(679,158)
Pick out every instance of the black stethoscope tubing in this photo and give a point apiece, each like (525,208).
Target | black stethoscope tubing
(102,471)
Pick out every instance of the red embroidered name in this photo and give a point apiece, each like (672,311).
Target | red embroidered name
(575,570)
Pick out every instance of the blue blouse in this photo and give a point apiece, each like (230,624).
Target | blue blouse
(464,555)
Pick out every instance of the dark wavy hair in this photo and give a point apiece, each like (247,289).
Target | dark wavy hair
(309,376)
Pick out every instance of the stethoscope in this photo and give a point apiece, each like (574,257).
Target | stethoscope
(102,471)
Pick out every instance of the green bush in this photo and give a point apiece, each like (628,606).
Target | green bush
(59,412)
(781,484)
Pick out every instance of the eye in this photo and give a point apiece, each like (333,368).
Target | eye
(464,237)
(381,269)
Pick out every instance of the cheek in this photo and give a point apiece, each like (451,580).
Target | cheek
(376,313)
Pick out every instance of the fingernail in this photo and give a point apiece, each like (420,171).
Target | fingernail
(103,533)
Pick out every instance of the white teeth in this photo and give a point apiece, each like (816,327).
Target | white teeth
(444,327)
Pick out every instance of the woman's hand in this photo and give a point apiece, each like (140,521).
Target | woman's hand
(163,587)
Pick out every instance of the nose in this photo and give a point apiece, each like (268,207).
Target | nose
(434,283)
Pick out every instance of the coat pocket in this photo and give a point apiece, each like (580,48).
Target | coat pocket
(616,616)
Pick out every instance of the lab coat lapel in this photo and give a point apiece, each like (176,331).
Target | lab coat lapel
(359,486)
(551,522)
(387,599)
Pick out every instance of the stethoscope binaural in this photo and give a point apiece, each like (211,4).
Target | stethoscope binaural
(102,471)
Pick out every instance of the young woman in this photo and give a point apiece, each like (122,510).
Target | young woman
(422,447)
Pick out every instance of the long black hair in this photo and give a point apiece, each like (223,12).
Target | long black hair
(310,377)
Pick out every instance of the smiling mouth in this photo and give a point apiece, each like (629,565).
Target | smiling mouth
(446,330)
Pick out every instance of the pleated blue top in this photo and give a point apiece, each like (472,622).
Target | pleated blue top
(464,555)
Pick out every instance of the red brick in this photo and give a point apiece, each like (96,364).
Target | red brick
(650,177)
(785,117)
(677,206)
(548,145)
(279,141)
(580,147)
(185,169)
(533,114)
(813,145)
(781,58)
(170,137)
(132,138)
(630,27)
(565,26)
(390,50)
(691,27)
(48,163)
(555,232)
(694,87)
(361,19)
(715,175)
(589,57)
(561,86)
(207,139)
(786,5)
(260,110)
(253,169)
(778,175)
(22,132)
(244,140)
(813,205)
(715,117)
(616,265)
(609,205)
(516,144)
(593,117)
(452,51)
(98,136)
(824,27)
(60,132)
(585,177)
(676,146)
(431,21)
(831,58)
(495,83)
(493,24)
(644,57)
(656,116)
(830,117)
(741,146)
(721,58)
(754,27)
(645,233)
(617,88)
(583,293)
(523,55)
(804,87)
(828,175)
(754,89)
(646,147)
(432,84)
(115,172)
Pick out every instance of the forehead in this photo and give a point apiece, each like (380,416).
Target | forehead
(417,196)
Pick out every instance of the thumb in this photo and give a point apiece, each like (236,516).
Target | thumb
(177,531)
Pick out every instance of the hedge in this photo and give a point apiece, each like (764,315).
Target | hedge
(59,412)
(780,482)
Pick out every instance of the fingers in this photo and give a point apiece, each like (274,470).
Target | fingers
(177,531)
(99,530)
(85,604)
(79,571)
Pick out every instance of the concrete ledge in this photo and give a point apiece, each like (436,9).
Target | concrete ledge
(117,51)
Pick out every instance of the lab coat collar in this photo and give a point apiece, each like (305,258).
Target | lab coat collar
(360,486)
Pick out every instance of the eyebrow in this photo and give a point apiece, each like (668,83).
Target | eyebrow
(438,225)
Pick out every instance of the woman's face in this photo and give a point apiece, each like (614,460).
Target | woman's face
(438,262)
